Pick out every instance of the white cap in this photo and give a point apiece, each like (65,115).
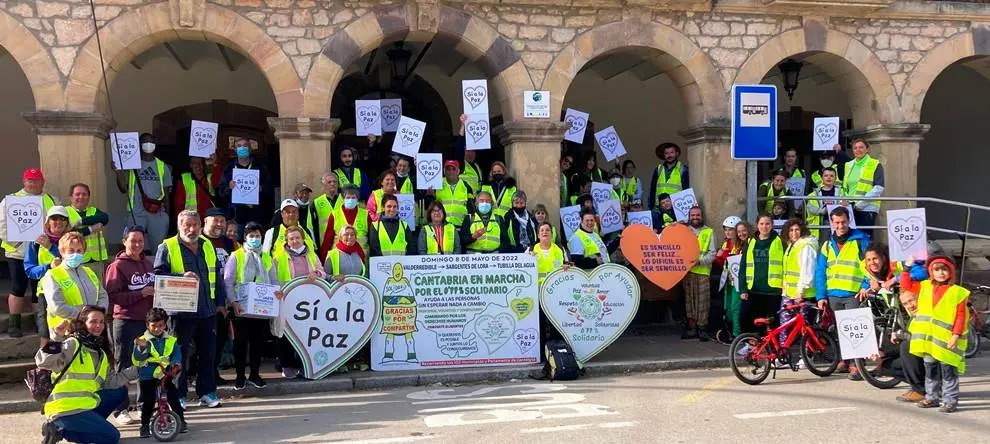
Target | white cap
(731,222)
(288,203)
(58,210)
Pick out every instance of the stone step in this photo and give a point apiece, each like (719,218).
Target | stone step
(17,348)
(27,323)
(13,371)
(977,263)
(974,247)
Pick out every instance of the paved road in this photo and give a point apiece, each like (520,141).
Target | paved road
(686,406)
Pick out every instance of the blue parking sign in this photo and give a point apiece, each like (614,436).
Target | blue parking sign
(754,122)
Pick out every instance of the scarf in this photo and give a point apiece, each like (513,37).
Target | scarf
(51,236)
(356,248)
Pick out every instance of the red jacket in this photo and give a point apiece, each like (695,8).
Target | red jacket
(938,290)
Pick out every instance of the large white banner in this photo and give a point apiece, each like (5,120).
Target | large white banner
(465,310)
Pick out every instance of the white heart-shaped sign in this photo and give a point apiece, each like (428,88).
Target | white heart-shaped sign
(391,113)
(495,330)
(590,310)
(572,220)
(368,115)
(409,134)
(526,339)
(477,129)
(907,232)
(856,329)
(429,169)
(204,137)
(475,95)
(327,324)
(25,216)
(826,132)
(577,124)
(246,184)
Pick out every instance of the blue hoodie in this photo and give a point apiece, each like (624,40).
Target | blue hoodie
(821,280)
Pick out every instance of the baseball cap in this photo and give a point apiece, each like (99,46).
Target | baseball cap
(301,186)
(58,210)
(33,174)
(288,203)
(452,163)
(213,212)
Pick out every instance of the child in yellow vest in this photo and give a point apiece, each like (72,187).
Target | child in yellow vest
(152,348)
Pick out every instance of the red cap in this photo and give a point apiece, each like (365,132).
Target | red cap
(452,163)
(33,174)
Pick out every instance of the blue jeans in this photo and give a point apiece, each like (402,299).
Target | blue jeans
(92,426)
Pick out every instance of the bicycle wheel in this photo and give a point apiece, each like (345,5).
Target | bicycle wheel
(973,341)
(165,428)
(746,365)
(878,373)
(821,361)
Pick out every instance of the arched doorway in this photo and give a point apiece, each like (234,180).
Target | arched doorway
(20,141)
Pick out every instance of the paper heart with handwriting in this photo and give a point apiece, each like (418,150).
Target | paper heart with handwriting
(908,232)
(826,132)
(856,329)
(572,220)
(327,323)
(369,115)
(204,138)
(684,204)
(246,184)
(590,310)
(526,338)
(25,216)
(664,261)
(494,330)
(577,124)
(610,218)
(126,150)
(409,135)
(609,142)
(475,95)
(391,113)
(478,129)
(522,307)
(601,194)
(429,169)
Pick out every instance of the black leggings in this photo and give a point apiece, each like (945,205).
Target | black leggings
(249,338)
(149,399)
(759,305)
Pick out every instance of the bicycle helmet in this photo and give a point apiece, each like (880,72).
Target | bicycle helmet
(731,222)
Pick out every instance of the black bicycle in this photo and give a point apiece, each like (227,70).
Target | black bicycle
(888,319)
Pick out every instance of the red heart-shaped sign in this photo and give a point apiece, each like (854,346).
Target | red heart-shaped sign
(664,261)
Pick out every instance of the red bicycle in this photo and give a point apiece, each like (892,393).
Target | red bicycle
(752,357)
(165,423)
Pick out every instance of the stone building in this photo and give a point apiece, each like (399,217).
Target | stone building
(908,75)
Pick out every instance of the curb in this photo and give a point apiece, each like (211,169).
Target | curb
(382,380)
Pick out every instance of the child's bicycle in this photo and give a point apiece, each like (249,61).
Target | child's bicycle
(978,324)
(165,423)
(752,357)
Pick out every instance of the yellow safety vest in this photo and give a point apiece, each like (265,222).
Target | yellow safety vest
(432,247)
(590,246)
(704,240)
(792,270)
(279,240)
(668,184)
(360,225)
(155,358)
(324,209)
(931,327)
(70,291)
(283,272)
(491,240)
(471,175)
(768,206)
(376,197)
(132,184)
(189,187)
(503,202)
(96,245)
(628,188)
(342,177)
(241,256)
(775,267)
(78,390)
(865,183)
(547,260)
(334,258)
(454,202)
(45,257)
(407,186)
(390,247)
(46,200)
(816,179)
(178,267)
(843,272)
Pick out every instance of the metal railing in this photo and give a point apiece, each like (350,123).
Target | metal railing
(963,235)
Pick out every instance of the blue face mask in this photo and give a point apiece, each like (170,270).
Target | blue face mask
(485,207)
(254,243)
(350,204)
(73,260)
(243,151)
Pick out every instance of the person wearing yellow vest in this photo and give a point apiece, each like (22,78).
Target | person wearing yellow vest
(697,283)
(586,246)
(42,255)
(800,258)
(472,172)
(328,202)
(348,174)
(541,215)
(732,245)
(455,194)
(519,232)
(774,188)
(863,177)
(191,255)
(790,166)
(347,258)
(88,387)
(482,231)
(390,236)
(34,184)
(632,187)
(838,273)
(827,160)
(389,181)
(666,210)
(147,192)
(247,264)
(66,286)
(670,176)
(89,221)
(348,214)
(275,236)
(549,256)
(817,209)
(196,189)
(566,160)
(293,260)
(938,333)
(405,182)
(440,236)
(761,274)
(501,188)
(152,350)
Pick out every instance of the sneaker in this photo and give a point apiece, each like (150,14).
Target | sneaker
(239,383)
(14,331)
(256,381)
(855,376)
(289,373)
(703,336)
(926,404)
(911,396)
(742,351)
(210,400)
(184,427)
(145,431)
(50,434)
(689,333)
(948,408)
(801,364)
(123,418)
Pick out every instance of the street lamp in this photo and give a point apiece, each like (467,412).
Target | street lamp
(790,69)
(398,58)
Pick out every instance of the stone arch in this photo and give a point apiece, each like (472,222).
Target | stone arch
(695,76)
(140,29)
(870,90)
(34,60)
(975,42)
(475,38)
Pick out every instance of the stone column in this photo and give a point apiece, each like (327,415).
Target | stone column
(304,149)
(73,149)
(896,146)
(718,181)
(532,153)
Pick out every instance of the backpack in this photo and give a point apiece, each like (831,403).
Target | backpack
(39,380)
(561,364)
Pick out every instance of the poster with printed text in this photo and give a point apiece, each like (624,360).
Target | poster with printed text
(125,148)
(907,234)
(475,96)
(857,334)
(429,171)
(202,138)
(456,311)
(25,218)
(477,132)
(610,144)
(391,113)
(408,136)
(579,122)
(683,201)
(248,186)
(825,133)
(368,117)
(610,215)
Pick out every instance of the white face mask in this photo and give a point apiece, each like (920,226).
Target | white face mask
(826,163)
(615,181)
(298,250)
(148,147)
